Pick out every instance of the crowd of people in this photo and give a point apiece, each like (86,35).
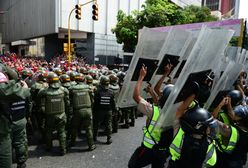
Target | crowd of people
(58,96)
(68,97)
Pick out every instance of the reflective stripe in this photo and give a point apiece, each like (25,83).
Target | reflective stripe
(148,140)
(176,145)
(153,123)
(232,141)
(211,156)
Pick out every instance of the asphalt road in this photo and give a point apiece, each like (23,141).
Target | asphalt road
(115,155)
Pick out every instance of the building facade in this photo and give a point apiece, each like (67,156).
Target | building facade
(39,28)
(224,9)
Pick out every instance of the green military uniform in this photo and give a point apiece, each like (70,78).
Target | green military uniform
(56,99)
(37,116)
(12,111)
(116,90)
(82,111)
(67,83)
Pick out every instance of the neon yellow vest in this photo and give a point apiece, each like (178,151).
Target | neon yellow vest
(147,140)
(176,147)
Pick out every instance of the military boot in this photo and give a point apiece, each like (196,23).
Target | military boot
(109,140)
(21,165)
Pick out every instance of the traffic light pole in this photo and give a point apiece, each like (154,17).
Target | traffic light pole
(69,37)
(69,30)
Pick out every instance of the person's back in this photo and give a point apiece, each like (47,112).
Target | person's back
(82,112)
(56,99)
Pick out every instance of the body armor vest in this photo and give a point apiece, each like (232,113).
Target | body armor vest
(116,91)
(54,102)
(14,109)
(105,99)
(81,97)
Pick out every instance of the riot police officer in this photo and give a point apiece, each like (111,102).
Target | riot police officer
(104,105)
(13,111)
(116,90)
(56,99)
(37,116)
(82,110)
(191,146)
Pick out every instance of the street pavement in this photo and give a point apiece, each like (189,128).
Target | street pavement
(115,155)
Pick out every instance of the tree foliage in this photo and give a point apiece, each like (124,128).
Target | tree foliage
(155,13)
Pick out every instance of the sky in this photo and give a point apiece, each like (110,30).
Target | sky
(243,9)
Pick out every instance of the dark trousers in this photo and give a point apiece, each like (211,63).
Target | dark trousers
(144,156)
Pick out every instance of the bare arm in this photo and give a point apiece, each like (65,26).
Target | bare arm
(184,105)
(161,80)
(153,95)
(231,112)
(136,93)
(218,108)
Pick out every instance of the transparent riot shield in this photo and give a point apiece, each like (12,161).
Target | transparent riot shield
(242,56)
(224,84)
(172,51)
(231,53)
(146,53)
(204,57)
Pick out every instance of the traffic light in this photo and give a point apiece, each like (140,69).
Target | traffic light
(78,11)
(66,47)
(95,11)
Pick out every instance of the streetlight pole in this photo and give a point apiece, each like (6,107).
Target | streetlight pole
(69,30)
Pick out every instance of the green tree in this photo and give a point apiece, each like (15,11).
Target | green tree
(155,13)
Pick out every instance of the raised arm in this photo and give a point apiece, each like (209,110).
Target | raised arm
(136,93)
(157,87)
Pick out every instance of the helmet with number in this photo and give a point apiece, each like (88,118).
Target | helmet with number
(83,70)
(26,73)
(64,78)
(104,80)
(52,77)
(3,78)
(166,92)
(89,79)
(196,121)
(58,71)
(113,79)
(79,77)
(42,75)
(236,97)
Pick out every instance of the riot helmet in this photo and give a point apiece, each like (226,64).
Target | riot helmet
(79,77)
(196,121)
(236,97)
(104,80)
(42,75)
(52,77)
(26,73)
(58,71)
(72,75)
(83,70)
(113,79)
(64,78)
(89,79)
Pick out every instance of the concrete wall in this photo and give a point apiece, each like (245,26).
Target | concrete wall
(27,19)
